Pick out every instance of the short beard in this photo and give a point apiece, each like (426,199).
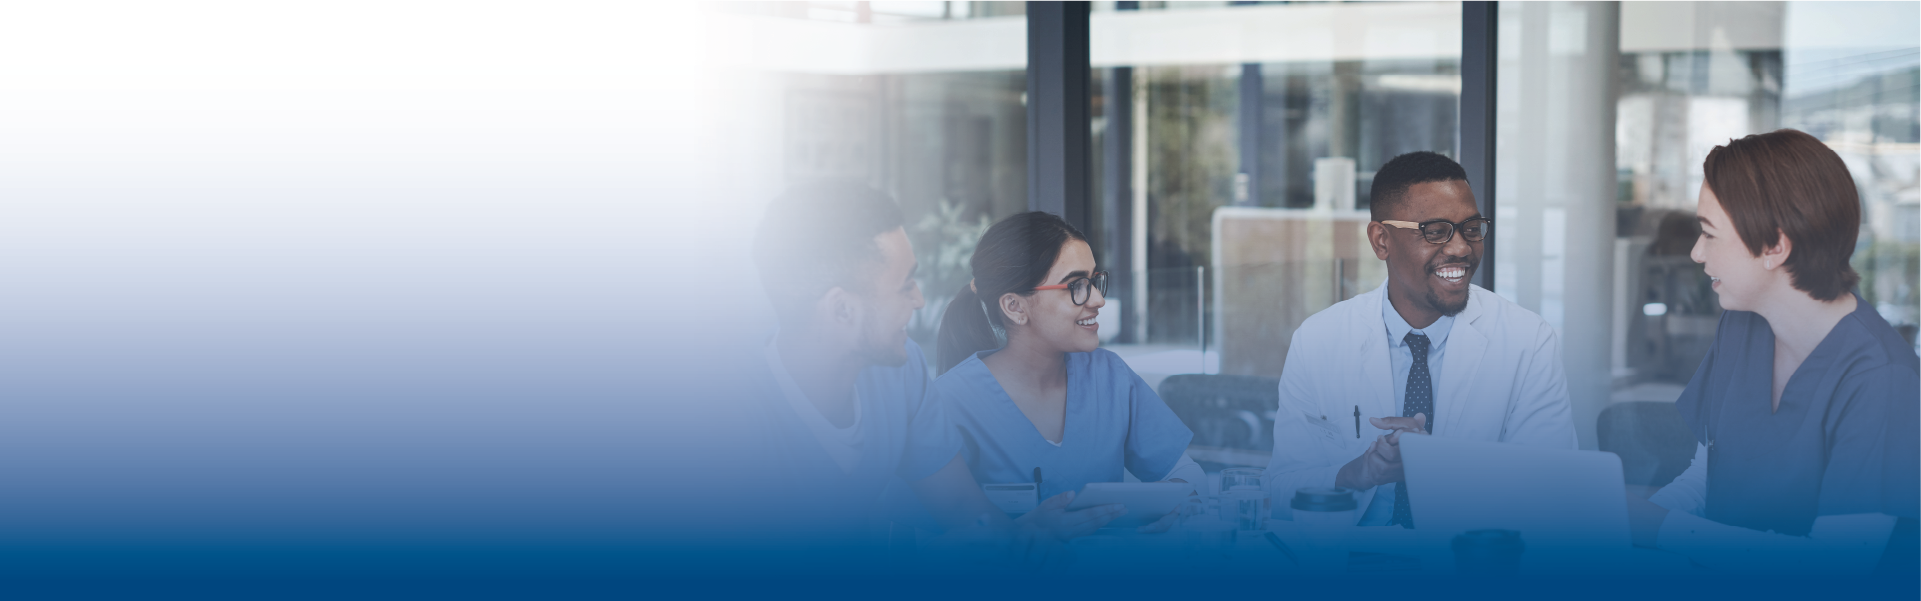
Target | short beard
(1434,301)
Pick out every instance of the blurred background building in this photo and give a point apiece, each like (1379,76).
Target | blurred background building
(1231,146)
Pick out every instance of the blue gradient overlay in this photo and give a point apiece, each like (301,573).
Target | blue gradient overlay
(436,311)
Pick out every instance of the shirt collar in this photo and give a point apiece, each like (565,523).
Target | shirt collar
(1397,327)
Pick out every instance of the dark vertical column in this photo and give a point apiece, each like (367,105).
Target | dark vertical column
(1247,183)
(1117,182)
(1247,187)
(1117,171)
(1478,35)
(1057,110)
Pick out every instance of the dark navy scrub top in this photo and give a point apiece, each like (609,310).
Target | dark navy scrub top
(1843,441)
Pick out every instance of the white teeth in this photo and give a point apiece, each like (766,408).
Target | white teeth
(1085,322)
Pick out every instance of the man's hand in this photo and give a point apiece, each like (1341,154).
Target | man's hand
(1416,424)
(1381,464)
(1391,450)
(1053,519)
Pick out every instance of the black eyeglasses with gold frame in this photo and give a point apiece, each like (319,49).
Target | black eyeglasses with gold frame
(1441,231)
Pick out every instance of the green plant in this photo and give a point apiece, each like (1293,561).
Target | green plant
(944,241)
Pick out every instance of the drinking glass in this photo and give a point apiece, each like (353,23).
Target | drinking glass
(1240,476)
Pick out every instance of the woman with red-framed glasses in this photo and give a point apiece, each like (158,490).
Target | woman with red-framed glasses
(1036,398)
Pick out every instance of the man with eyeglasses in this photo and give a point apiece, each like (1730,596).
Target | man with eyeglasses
(1427,352)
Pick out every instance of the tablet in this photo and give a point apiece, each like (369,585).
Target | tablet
(1145,501)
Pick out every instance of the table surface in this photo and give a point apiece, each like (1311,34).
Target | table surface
(1206,544)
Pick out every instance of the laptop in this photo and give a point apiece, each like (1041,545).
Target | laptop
(1558,499)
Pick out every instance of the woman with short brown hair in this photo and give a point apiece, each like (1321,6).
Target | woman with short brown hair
(1805,407)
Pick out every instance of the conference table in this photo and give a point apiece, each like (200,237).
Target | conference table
(1205,544)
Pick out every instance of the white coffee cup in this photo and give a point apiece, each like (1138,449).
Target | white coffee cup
(1325,516)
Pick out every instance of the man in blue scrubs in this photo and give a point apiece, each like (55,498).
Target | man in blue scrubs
(839,407)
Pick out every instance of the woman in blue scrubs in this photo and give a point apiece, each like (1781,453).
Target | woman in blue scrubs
(1049,397)
(1805,407)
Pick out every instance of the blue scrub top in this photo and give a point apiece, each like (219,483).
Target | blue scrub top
(904,436)
(1113,420)
(1843,441)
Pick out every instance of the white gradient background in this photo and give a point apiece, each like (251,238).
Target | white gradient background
(313,287)
(330,266)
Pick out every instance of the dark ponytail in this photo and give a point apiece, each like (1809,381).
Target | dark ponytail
(1013,256)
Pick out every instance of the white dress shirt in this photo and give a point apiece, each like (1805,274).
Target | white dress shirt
(1381,511)
(1502,381)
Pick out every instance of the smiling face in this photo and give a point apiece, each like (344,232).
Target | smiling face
(1739,277)
(1428,280)
(889,300)
(1050,317)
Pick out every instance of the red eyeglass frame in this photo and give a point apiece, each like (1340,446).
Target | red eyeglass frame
(1090,279)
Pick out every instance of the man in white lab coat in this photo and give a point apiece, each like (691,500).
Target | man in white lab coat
(1427,353)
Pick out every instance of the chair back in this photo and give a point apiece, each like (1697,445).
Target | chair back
(1653,442)
(1225,411)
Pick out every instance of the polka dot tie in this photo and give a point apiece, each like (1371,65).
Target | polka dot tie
(1419,399)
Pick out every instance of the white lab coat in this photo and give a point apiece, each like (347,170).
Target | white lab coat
(1500,380)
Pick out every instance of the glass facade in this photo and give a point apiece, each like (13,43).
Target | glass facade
(1290,130)
(1238,142)
(1233,145)
(1599,244)
(877,13)
(944,133)
(949,147)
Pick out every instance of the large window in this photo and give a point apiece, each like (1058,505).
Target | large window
(1607,111)
(1233,146)
(1237,144)
(1232,141)
(950,147)
(923,100)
